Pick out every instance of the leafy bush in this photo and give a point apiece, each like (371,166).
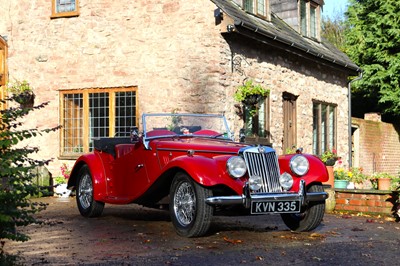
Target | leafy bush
(16,186)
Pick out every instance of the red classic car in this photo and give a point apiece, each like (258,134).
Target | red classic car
(191,160)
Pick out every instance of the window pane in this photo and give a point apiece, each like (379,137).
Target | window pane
(98,116)
(303,18)
(315,128)
(323,128)
(313,22)
(331,138)
(73,123)
(65,6)
(125,113)
(261,7)
(248,5)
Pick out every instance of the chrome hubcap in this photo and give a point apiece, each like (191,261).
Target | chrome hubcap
(185,204)
(85,192)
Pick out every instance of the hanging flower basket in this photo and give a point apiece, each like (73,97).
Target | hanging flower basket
(250,94)
(25,99)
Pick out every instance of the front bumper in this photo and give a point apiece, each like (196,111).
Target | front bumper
(246,198)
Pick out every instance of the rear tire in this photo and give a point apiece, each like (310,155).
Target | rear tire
(88,207)
(190,214)
(311,215)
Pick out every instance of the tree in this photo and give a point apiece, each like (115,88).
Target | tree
(333,30)
(16,186)
(373,43)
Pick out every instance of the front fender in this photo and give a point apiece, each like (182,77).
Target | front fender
(316,173)
(207,171)
(96,166)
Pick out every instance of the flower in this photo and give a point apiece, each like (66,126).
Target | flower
(65,171)
(330,157)
(342,174)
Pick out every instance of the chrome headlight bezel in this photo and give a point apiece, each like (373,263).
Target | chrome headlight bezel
(299,165)
(236,167)
(286,181)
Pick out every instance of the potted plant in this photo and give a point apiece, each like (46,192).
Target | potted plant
(61,182)
(341,178)
(250,94)
(358,179)
(329,158)
(21,92)
(383,180)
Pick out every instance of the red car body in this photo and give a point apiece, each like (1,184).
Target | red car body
(145,169)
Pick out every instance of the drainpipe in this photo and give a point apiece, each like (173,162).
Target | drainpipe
(360,75)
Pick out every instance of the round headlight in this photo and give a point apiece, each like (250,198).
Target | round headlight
(299,165)
(236,166)
(286,181)
(255,182)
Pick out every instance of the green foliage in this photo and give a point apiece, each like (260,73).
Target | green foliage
(333,30)
(373,43)
(16,186)
(18,87)
(250,94)
(248,89)
(329,157)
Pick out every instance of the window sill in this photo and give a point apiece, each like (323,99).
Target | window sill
(64,15)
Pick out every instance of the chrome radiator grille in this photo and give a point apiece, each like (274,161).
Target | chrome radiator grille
(265,165)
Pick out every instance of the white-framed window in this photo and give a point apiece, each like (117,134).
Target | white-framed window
(310,14)
(64,8)
(257,7)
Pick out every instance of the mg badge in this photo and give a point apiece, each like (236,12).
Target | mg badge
(261,149)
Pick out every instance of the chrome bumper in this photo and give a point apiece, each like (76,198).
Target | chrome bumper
(246,198)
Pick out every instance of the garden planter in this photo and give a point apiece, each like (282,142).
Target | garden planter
(341,183)
(331,176)
(62,190)
(384,183)
(330,202)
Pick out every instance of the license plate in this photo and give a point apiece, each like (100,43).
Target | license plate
(260,207)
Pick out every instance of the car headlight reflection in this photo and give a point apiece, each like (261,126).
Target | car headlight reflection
(286,181)
(236,167)
(299,165)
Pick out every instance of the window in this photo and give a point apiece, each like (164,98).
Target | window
(257,7)
(93,113)
(324,127)
(309,18)
(65,8)
(257,127)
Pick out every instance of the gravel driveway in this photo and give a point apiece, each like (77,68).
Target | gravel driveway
(132,235)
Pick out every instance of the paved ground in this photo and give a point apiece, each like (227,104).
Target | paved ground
(131,235)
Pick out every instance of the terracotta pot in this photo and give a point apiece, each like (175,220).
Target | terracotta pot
(331,177)
(384,183)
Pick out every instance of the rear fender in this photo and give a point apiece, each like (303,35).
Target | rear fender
(96,166)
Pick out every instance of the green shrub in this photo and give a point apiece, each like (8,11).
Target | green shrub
(16,186)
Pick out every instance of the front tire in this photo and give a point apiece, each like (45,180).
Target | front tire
(88,207)
(310,217)
(190,214)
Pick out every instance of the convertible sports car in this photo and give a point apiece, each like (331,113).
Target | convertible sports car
(192,161)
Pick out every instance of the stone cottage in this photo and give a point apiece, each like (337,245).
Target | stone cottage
(101,64)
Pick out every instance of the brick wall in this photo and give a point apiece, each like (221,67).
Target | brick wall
(378,146)
(365,201)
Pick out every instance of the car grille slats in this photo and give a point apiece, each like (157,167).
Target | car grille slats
(265,165)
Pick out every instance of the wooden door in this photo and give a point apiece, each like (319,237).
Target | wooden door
(289,121)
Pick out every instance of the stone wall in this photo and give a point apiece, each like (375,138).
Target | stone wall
(175,54)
